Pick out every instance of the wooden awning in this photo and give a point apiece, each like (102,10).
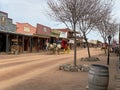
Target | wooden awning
(41,36)
(55,33)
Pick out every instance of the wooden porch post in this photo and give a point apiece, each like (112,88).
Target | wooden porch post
(38,44)
(7,46)
(30,44)
(17,42)
(23,44)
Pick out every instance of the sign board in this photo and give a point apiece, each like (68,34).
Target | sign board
(63,34)
(71,41)
(26,29)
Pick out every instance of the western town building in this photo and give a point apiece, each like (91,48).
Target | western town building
(23,37)
(25,41)
(7,32)
(44,33)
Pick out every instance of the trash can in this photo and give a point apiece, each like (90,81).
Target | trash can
(98,77)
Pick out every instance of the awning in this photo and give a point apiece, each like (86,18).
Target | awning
(55,33)
(41,36)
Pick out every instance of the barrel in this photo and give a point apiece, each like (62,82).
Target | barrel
(98,77)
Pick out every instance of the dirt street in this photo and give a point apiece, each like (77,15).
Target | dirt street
(41,71)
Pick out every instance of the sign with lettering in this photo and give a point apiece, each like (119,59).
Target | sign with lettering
(26,29)
(63,34)
(71,41)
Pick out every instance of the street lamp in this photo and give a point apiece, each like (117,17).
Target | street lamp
(109,39)
(119,48)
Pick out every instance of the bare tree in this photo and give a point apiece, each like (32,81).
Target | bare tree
(107,27)
(103,28)
(84,13)
(68,12)
(95,11)
(113,29)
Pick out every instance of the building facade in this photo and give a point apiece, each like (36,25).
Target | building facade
(44,34)
(7,32)
(27,42)
(23,37)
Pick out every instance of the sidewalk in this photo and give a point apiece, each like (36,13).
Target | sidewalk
(117,77)
(114,72)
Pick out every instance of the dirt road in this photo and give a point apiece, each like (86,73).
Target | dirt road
(40,72)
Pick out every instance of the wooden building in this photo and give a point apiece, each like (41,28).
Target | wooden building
(55,34)
(43,32)
(27,42)
(7,32)
(24,37)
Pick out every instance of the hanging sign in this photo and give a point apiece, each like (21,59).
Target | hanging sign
(63,34)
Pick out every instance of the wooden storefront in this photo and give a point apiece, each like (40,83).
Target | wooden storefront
(27,42)
(7,31)
(43,32)
(55,34)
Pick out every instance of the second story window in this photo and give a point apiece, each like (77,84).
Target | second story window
(44,29)
(3,20)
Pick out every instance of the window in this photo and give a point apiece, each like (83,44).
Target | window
(44,29)
(3,20)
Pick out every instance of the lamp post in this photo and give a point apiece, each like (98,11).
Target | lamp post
(119,49)
(109,39)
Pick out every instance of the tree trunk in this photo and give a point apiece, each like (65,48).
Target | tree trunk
(87,45)
(105,48)
(74,27)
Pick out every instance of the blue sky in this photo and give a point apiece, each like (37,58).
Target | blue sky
(34,11)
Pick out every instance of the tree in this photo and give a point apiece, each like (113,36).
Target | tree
(107,27)
(95,11)
(77,12)
(68,12)
(113,28)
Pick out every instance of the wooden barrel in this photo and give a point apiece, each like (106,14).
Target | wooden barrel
(98,77)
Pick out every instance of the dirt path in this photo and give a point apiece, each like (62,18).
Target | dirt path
(40,72)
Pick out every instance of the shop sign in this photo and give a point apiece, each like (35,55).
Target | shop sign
(63,34)
(71,41)
(26,29)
